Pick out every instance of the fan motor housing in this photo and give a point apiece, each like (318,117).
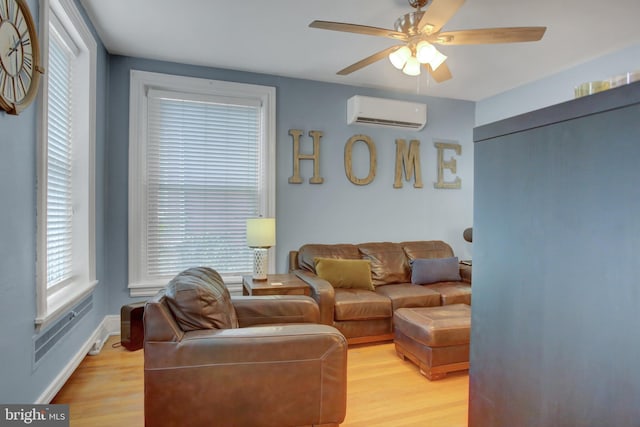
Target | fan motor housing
(408,23)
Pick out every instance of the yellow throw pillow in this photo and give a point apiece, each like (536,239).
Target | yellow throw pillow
(345,273)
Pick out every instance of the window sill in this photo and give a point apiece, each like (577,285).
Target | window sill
(61,301)
(150,288)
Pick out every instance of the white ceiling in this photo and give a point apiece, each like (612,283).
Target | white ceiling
(273,37)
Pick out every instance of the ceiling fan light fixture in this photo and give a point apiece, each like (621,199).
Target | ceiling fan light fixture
(437,60)
(420,30)
(399,57)
(412,67)
(426,53)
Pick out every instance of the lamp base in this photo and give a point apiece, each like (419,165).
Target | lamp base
(260,263)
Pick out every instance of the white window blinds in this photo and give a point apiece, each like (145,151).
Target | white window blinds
(203,181)
(59,163)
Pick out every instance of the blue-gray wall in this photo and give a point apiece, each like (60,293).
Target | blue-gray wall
(558,87)
(337,210)
(555,292)
(21,381)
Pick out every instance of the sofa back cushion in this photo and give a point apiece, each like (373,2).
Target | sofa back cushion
(389,263)
(427,249)
(308,253)
(198,299)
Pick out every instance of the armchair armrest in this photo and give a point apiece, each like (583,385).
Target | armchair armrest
(256,344)
(465,273)
(322,292)
(159,323)
(262,310)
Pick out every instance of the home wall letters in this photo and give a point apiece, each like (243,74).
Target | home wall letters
(407,163)
(348,156)
(449,164)
(315,157)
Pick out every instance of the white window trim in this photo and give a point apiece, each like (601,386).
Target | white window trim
(140,83)
(50,305)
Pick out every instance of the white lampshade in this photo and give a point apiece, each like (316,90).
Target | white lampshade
(399,57)
(437,60)
(261,232)
(426,53)
(412,68)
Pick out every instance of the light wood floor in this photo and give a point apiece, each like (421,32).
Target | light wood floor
(107,391)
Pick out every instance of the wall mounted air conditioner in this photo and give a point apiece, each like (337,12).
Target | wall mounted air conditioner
(386,112)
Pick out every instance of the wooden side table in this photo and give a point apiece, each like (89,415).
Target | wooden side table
(276,284)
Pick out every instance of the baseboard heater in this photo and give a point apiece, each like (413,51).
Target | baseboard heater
(48,339)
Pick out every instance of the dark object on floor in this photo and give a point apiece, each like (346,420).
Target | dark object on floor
(131,326)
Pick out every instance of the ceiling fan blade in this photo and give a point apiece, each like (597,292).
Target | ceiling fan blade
(367,61)
(358,29)
(441,74)
(491,35)
(437,14)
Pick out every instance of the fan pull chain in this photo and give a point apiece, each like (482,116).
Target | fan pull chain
(418,78)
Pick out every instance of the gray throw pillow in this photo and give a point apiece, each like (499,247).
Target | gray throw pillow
(433,270)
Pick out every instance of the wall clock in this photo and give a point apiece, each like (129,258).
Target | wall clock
(19,56)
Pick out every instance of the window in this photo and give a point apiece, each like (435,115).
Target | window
(201,162)
(66,229)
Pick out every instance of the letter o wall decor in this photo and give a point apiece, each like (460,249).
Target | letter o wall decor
(348,152)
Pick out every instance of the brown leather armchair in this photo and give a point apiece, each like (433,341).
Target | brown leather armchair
(213,360)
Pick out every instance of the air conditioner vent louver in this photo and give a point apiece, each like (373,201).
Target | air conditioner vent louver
(394,123)
(386,112)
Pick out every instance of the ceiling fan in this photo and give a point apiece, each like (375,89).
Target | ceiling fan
(420,31)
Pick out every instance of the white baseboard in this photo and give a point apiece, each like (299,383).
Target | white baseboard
(110,325)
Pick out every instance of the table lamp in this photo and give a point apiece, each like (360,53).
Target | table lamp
(261,235)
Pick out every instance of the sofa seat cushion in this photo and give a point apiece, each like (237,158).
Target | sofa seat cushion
(360,304)
(426,249)
(408,295)
(307,254)
(388,262)
(452,292)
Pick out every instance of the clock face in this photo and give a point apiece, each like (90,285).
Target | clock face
(16,52)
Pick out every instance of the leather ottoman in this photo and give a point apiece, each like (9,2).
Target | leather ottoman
(434,338)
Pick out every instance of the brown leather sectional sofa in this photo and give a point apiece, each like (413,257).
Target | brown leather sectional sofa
(367,315)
